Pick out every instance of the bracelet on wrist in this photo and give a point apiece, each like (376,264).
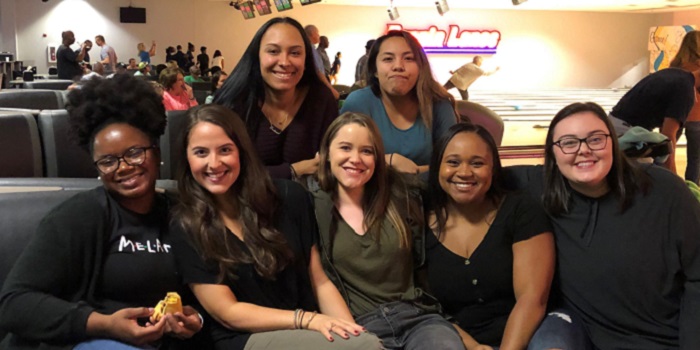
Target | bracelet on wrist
(308,323)
(294,173)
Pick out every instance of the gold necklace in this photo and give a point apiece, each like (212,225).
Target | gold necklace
(275,129)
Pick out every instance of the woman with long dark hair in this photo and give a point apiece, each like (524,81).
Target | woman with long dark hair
(249,250)
(411,109)
(371,236)
(688,58)
(277,92)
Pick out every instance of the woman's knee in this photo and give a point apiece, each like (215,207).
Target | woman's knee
(560,329)
(365,340)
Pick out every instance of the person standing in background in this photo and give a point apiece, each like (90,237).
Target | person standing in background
(217,63)
(322,46)
(67,60)
(466,75)
(688,58)
(361,66)
(335,68)
(108,57)
(190,56)
(203,61)
(145,56)
(660,100)
(86,56)
(315,38)
(180,58)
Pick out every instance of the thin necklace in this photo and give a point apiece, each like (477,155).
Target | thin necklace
(275,129)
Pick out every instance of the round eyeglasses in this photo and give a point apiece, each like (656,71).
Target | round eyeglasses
(133,156)
(594,142)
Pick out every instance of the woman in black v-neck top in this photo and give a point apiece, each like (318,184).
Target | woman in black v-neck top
(490,255)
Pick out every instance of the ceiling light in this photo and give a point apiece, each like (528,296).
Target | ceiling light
(393,11)
(442,6)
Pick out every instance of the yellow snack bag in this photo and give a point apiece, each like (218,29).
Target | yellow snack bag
(170,305)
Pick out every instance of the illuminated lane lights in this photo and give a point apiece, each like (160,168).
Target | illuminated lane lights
(454,41)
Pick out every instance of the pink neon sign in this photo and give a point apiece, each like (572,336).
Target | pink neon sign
(454,40)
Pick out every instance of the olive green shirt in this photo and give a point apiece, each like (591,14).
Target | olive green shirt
(373,272)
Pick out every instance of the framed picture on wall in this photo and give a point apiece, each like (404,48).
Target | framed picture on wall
(52,53)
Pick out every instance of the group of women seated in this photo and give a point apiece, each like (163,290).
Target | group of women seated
(369,257)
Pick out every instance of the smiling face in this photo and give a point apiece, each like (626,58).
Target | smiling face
(352,157)
(213,158)
(282,57)
(586,170)
(466,169)
(397,69)
(128,182)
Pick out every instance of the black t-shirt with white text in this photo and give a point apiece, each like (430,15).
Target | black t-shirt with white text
(139,266)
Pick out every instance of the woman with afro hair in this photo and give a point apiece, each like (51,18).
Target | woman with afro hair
(81,283)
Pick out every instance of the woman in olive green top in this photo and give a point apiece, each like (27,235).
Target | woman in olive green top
(370,224)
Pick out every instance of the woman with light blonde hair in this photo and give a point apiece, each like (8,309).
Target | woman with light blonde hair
(145,56)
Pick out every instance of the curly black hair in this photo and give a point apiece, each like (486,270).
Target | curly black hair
(122,99)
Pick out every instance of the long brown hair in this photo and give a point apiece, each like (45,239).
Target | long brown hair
(257,201)
(689,52)
(427,89)
(386,194)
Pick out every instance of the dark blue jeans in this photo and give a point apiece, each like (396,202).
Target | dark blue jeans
(402,325)
(107,344)
(561,329)
(692,134)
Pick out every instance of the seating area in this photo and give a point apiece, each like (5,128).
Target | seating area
(35,138)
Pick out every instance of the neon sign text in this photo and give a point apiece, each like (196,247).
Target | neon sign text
(454,40)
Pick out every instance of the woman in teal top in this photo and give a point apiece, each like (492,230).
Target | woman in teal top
(410,108)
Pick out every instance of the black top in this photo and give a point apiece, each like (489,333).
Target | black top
(52,288)
(668,93)
(292,287)
(67,63)
(478,292)
(302,137)
(137,240)
(633,277)
(203,60)
(181,59)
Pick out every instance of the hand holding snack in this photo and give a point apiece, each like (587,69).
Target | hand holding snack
(170,305)
(183,325)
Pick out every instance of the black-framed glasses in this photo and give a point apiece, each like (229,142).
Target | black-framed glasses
(594,142)
(132,156)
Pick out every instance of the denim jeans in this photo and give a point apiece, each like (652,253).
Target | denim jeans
(692,134)
(561,329)
(401,325)
(107,344)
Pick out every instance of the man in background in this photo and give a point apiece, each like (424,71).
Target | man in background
(315,38)
(466,75)
(108,57)
(67,60)
(660,100)
(203,61)
(361,67)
